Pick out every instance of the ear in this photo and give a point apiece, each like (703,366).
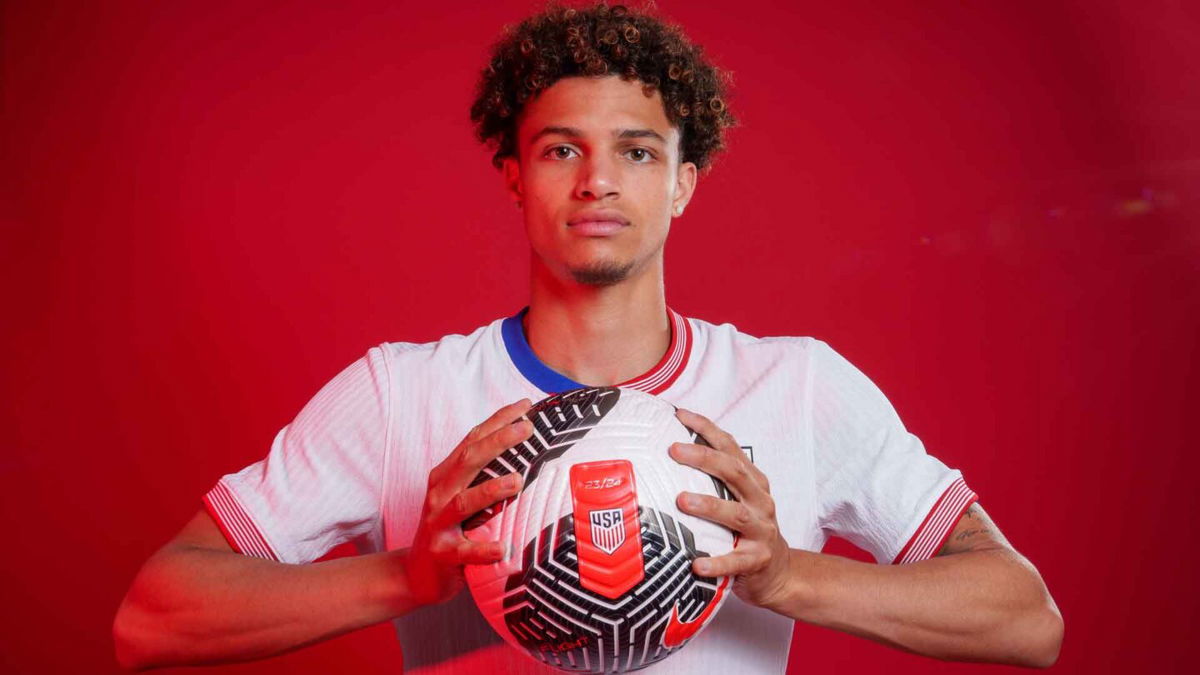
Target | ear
(685,187)
(512,178)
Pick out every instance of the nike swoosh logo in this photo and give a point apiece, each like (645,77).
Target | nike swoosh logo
(678,632)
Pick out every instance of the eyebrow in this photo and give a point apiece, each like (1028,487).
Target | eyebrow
(572,132)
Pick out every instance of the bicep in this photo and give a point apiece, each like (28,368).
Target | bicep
(975,531)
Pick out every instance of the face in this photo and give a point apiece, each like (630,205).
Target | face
(598,176)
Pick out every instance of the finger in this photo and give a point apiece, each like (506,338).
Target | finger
(478,552)
(498,420)
(736,516)
(728,565)
(473,500)
(501,417)
(736,472)
(716,436)
(476,455)
(721,441)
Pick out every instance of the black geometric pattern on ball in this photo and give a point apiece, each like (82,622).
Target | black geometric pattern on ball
(558,423)
(565,625)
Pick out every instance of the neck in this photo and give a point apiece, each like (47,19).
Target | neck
(598,335)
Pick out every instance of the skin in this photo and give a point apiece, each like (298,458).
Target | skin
(584,145)
(617,152)
(597,314)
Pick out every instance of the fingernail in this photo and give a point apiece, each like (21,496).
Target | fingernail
(690,500)
(512,480)
(703,566)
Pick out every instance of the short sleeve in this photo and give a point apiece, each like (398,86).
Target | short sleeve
(876,485)
(320,484)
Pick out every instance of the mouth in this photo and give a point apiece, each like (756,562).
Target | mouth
(598,223)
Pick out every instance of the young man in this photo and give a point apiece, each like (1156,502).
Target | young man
(601,120)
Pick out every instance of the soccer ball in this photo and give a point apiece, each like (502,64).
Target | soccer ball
(598,573)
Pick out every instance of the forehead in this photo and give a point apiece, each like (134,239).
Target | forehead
(596,105)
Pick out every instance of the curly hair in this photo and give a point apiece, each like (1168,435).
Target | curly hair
(594,42)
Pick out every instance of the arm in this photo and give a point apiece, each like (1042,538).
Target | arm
(196,601)
(977,600)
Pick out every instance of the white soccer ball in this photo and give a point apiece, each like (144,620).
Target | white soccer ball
(598,577)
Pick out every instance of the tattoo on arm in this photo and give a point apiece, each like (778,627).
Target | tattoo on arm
(975,531)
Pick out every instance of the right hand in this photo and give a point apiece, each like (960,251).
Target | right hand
(439,549)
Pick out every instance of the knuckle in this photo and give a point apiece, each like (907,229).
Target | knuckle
(512,434)
(742,515)
(458,504)
(497,487)
(437,548)
(769,507)
(466,459)
(428,524)
(492,488)
(434,498)
(741,471)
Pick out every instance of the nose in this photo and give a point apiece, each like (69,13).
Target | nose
(597,179)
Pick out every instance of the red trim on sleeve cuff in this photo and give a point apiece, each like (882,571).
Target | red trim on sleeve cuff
(938,524)
(239,530)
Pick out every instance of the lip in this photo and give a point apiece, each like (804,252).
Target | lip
(599,223)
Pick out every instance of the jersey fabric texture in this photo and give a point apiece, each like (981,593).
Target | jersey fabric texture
(353,466)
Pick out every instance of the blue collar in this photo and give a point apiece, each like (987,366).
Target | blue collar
(653,381)
(541,375)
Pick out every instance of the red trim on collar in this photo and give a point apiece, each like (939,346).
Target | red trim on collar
(663,375)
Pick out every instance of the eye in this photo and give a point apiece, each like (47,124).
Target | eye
(639,155)
(559,152)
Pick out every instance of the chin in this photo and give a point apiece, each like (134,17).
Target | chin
(604,273)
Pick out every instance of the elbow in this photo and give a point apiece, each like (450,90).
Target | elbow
(1044,639)
(138,636)
(130,656)
(1053,639)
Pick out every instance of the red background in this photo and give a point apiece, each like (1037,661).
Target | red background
(210,208)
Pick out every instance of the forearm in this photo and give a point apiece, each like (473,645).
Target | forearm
(235,608)
(988,605)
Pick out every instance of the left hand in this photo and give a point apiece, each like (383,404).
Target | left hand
(759,561)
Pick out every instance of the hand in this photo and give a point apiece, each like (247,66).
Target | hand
(759,561)
(439,549)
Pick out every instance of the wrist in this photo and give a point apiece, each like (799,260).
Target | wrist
(396,589)
(799,592)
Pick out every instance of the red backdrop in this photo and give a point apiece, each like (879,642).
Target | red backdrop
(210,208)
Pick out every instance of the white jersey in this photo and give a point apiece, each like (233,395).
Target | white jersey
(353,466)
